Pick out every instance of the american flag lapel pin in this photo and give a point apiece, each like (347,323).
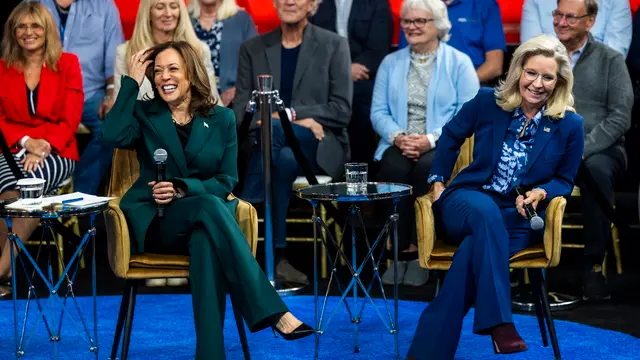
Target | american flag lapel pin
(546,129)
(206,125)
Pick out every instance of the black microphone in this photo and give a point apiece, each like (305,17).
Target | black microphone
(160,157)
(535,221)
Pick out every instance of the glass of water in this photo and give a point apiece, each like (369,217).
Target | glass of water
(356,174)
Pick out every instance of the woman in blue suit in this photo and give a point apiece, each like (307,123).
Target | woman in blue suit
(418,89)
(526,135)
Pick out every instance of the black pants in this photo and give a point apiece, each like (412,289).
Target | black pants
(395,167)
(362,138)
(606,167)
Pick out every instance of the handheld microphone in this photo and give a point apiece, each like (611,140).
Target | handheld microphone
(160,157)
(535,221)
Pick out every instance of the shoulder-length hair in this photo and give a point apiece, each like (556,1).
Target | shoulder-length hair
(202,100)
(227,9)
(508,95)
(13,54)
(142,36)
(439,11)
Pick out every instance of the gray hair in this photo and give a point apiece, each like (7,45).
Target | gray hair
(591,5)
(439,11)
(316,5)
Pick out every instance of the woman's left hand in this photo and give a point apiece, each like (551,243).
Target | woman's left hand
(163,192)
(32,162)
(533,197)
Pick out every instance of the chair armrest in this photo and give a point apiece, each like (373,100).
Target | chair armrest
(425,228)
(118,241)
(247,218)
(553,230)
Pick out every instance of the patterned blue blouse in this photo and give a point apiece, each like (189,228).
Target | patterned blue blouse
(515,152)
(212,38)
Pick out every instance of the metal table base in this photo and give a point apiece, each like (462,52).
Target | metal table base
(53,311)
(374,255)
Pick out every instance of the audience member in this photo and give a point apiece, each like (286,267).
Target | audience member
(604,97)
(525,134)
(223,26)
(311,70)
(201,172)
(367,26)
(92,31)
(418,90)
(160,21)
(612,25)
(477,31)
(40,108)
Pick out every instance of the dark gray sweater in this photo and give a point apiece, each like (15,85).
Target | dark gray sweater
(603,96)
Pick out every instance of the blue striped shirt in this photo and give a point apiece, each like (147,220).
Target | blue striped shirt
(92,32)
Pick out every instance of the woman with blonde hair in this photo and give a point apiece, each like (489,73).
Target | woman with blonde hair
(528,140)
(223,26)
(158,22)
(41,101)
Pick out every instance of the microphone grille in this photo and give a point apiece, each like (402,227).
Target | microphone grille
(160,155)
(536,223)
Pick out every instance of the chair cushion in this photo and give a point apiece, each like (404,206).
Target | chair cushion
(159,261)
(444,252)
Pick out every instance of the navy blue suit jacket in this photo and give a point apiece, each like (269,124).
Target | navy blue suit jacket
(553,161)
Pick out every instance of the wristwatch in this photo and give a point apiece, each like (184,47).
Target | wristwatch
(178,195)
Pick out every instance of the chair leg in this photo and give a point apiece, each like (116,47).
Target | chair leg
(616,249)
(242,333)
(131,305)
(120,324)
(537,274)
(535,288)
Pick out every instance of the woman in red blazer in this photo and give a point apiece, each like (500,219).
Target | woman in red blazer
(40,108)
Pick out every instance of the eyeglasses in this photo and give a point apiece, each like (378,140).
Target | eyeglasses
(36,28)
(570,18)
(419,22)
(532,75)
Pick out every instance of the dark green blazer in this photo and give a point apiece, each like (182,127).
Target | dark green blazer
(207,165)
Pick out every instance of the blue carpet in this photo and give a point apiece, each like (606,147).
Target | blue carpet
(163,329)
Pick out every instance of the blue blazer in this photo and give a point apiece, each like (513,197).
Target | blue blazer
(454,81)
(553,161)
(235,30)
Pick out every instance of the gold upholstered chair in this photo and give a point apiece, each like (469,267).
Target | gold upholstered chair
(138,267)
(434,254)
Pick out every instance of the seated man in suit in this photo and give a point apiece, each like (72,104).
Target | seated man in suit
(367,25)
(604,97)
(311,70)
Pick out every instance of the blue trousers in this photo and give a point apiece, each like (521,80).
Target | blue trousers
(488,229)
(96,158)
(284,171)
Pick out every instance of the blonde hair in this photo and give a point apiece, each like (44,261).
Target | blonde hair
(439,11)
(202,100)
(13,54)
(227,9)
(561,99)
(142,37)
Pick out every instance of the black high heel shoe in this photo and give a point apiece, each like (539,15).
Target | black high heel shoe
(301,331)
(5,288)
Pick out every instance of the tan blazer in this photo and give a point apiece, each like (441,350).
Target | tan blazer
(146,89)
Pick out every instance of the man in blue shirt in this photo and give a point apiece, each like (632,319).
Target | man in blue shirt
(612,26)
(476,31)
(91,29)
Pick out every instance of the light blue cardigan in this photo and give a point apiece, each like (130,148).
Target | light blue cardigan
(454,82)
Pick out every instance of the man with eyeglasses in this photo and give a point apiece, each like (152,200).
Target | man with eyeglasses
(604,97)
(612,25)
(476,30)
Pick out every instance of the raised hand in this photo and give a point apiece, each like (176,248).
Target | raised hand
(138,64)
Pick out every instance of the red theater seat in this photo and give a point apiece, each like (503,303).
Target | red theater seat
(264,14)
(128,11)
(511,12)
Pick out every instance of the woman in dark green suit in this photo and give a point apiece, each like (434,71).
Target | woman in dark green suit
(200,138)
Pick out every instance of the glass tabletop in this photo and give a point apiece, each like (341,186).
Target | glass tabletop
(50,212)
(349,193)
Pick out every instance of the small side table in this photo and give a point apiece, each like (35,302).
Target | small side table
(52,311)
(339,192)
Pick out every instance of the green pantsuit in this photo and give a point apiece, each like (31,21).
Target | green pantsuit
(202,223)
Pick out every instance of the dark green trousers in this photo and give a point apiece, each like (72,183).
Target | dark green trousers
(205,228)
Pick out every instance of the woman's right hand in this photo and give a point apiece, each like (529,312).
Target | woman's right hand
(32,162)
(138,64)
(39,147)
(438,188)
